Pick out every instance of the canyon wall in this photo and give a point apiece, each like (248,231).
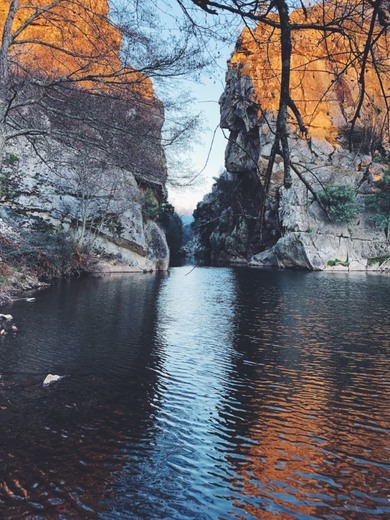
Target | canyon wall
(298,233)
(96,163)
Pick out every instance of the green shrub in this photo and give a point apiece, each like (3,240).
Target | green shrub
(11,159)
(336,261)
(6,185)
(340,202)
(111,222)
(377,260)
(150,206)
(225,188)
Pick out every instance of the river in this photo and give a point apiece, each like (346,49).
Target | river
(216,393)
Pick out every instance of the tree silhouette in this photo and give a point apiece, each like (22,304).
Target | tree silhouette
(65,73)
(352,35)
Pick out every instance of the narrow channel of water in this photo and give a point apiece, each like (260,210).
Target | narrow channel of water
(219,394)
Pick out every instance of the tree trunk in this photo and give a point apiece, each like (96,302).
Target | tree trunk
(280,145)
(3,129)
(6,41)
(281,124)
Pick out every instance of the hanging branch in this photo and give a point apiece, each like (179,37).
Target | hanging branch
(362,76)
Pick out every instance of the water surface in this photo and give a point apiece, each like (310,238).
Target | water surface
(215,394)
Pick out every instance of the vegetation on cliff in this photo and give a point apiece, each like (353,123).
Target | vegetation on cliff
(226,225)
(355,227)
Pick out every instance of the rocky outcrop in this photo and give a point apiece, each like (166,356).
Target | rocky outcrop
(298,233)
(94,157)
(99,206)
(325,81)
(225,223)
(309,239)
(73,40)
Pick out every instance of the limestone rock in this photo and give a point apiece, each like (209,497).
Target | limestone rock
(51,378)
(157,247)
(297,232)
(102,206)
(324,91)
(92,192)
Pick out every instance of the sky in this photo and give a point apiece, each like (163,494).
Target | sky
(206,93)
(184,199)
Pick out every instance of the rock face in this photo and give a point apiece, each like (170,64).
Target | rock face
(99,206)
(309,240)
(103,156)
(324,75)
(298,232)
(92,44)
(225,223)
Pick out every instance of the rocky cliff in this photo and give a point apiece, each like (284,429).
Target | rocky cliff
(96,166)
(74,40)
(99,206)
(299,231)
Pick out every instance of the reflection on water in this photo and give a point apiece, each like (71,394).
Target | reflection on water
(318,390)
(223,393)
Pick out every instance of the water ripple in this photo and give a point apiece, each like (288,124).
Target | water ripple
(224,394)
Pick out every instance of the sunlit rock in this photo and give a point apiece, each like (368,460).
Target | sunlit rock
(297,233)
(51,378)
(97,198)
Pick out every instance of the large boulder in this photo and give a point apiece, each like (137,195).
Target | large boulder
(98,205)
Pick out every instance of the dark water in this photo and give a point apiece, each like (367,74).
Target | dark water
(223,394)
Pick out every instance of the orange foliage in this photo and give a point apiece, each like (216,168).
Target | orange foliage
(73,39)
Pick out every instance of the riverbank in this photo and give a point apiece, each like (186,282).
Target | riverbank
(31,259)
(34,252)
(15,284)
(15,281)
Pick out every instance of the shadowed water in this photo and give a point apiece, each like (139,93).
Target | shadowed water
(219,394)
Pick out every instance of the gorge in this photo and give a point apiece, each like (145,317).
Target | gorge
(194,392)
